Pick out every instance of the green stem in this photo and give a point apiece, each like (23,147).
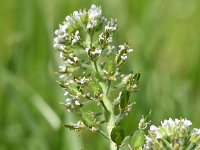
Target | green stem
(103,134)
(118,147)
(108,88)
(190,146)
(110,116)
(97,70)
(167,144)
(104,106)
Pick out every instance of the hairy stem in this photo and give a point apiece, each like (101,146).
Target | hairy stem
(110,118)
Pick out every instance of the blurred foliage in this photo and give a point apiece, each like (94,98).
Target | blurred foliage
(165,34)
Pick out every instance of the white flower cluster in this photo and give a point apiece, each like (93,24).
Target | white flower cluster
(70,105)
(195,137)
(106,36)
(94,14)
(68,35)
(93,53)
(84,41)
(122,54)
(171,133)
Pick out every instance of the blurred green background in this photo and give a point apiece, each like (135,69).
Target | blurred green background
(165,35)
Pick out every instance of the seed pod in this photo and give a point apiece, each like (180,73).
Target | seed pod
(124,99)
(121,56)
(117,135)
(132,86)
(138,139)
(93,53)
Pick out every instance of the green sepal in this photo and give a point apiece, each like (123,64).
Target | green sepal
(117,135)
(73,88)
(94,89)
(88,119)
(138,139)
(110,67)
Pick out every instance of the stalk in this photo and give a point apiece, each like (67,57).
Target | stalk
(110,116)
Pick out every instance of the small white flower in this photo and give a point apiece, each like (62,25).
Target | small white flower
(91,24)
(126,78)
(93,129)
(101,37)
(77,103)
(110,28)
(130,50)
(121,47)
(109,40)
(87,50)
(62,68)
(62,55)
(82,80)
(69,61)
(143,124)
(69,20)
(76,38)
(67,102)
(111,47)
(63,28)
(62,76)
(187,123)
(94,12)
(69,82)
(124,57)
(97,51)
(76,16)
(66,93)
(57,40)
(59,46)
(75,59)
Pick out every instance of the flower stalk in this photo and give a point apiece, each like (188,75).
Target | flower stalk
(91,70)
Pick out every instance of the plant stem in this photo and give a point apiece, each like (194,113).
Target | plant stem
(103,134)
(102,103)
(167,144)
(108,88)
(190,146)
(97,71)
(110,119)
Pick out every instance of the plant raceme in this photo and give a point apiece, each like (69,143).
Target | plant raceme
(173,135)
(92,76)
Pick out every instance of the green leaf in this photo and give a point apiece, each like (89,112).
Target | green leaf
(138,139)
(117,135)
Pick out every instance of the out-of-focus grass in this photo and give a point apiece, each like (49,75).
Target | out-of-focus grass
(165,34)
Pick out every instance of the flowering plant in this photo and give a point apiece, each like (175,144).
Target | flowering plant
(174,135)
(92,74)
